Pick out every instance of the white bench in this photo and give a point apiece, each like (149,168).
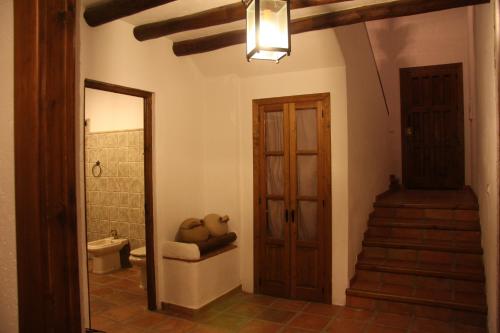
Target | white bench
(192,281)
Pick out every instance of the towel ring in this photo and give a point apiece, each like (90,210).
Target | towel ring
(97,166)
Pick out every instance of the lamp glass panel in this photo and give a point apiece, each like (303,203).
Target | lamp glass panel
(251,34)
(273,29)
(269,55)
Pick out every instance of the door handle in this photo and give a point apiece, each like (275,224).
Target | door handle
(409,131)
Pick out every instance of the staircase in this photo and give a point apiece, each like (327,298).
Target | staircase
(422,256)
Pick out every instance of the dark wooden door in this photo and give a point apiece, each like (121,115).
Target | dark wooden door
(48,269)
(432,119)
(292,186)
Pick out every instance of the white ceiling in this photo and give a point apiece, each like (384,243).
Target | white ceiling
(185,7)
(302,58)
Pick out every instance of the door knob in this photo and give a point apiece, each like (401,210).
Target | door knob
(409,131)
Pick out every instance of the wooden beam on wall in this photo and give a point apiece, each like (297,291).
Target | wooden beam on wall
(215,16)
(110,10)
(325,21)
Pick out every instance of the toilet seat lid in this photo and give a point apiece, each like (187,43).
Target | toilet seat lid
(139,252)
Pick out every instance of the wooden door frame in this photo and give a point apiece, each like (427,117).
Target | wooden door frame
(497,61)
(147,96)
(45,166)
(461,127)
(257,180)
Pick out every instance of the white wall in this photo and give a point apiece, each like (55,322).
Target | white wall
(485,180)
(358,124)
(221,149)
(228,146)
(8,268)
(368,125)
(106,111)
(111,54)
(211,123)
(421,40)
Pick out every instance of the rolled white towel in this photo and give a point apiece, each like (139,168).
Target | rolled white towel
(178,250)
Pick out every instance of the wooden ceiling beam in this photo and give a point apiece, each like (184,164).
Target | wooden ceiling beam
(110,10)
(215,16)
(325,21)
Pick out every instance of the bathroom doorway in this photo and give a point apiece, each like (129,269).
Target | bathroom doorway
(119,201)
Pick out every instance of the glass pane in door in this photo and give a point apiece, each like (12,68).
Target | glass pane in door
(307,129)
(307,175)
(275,181)
(274,131)
(307,220)
(275,219)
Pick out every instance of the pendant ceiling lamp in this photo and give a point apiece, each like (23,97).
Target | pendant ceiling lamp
(268,29)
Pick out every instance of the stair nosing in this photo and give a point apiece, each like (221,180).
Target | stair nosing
(423,226)
(427,206)
(373,215)
(414,246)
(421,272)
(416,300)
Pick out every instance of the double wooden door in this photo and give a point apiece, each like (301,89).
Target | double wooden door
(432,119)
(292,197)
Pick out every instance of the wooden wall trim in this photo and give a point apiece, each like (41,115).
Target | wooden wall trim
(45,176)
(115,88)
(148,175)
(496,9)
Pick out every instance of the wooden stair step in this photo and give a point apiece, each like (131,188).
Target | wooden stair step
(428,246)
(462,306)
(464,199)
(427,205)
(417,288)
(416,271)
(423,259)
(429,224)
(422,256)
(425,213)
(425,236)
(443,287)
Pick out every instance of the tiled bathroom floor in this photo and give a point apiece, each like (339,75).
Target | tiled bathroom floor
(118,305)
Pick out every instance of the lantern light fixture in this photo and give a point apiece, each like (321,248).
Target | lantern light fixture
(268,29)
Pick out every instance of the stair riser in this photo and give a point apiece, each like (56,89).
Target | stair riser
(423,256)
(421,282)
(473,237)
(419,311)
(453,247)
(425,223)
(426,213)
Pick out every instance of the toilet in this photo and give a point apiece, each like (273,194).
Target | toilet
(138,259)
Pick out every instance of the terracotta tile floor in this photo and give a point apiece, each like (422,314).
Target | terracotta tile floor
(119,305)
